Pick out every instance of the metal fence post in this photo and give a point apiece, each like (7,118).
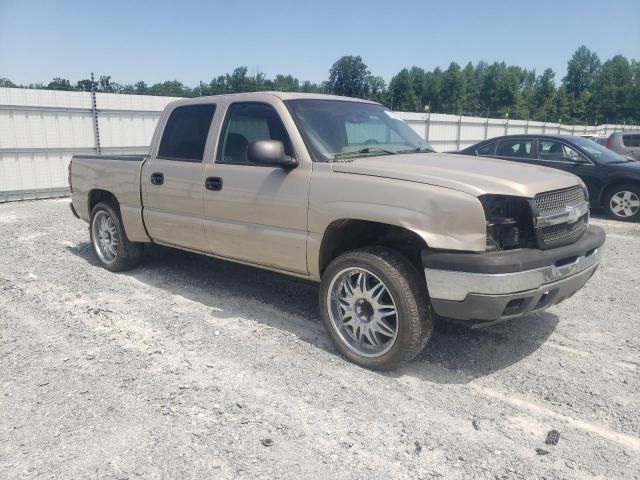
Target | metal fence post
(428,125)
(459,130)
(486,126)
(94,113)
(506,126)
(526,127)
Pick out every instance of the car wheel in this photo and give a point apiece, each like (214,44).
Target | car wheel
(623,203)
(109,240)
(374,305)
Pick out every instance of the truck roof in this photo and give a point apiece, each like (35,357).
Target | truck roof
(280,95)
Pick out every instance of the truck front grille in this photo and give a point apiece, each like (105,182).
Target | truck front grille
(564,231)
(556,203)
(557,200)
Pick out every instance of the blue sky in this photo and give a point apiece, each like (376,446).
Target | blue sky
(198,40)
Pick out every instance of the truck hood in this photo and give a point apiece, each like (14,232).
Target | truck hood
(474,175)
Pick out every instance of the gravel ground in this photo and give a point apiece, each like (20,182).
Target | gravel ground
(190,367)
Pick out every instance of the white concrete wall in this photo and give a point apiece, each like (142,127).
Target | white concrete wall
(41,129)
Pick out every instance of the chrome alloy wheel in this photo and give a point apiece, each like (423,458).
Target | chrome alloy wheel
(624,204)
(362,312)
(105,237)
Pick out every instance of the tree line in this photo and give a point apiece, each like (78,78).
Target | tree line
(591,91)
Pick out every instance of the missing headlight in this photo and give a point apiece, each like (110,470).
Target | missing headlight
(509,222)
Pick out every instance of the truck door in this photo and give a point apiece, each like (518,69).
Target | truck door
(256,213)
(173,178)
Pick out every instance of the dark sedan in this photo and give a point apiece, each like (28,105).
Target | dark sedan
(612,180)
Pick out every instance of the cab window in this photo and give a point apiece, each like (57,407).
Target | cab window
(185,134)
(247,122)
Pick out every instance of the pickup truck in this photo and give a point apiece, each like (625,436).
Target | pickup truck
(341,191)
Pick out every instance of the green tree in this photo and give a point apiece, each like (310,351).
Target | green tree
(286,83)
(582,69)
(615,89)
(59,84)
(85,85)
(5,82)
(403,98)
(544,93)
(453,89)
(348,76)
(170,89)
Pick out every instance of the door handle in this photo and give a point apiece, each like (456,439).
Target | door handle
(213,183)
(157,178)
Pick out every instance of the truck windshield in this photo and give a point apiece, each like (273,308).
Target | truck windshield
(338,130)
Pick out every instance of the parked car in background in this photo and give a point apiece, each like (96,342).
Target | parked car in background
(626,144)
(613,181)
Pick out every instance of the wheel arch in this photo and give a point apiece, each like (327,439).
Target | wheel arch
(98,195)
(347,234)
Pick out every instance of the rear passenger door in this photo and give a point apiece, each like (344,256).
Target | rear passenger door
(173,178)
(253,213)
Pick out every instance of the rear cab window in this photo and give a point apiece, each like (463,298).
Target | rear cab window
(185,134)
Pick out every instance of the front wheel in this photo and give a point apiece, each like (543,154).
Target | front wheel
(623,203)
(374,306)
(109,240)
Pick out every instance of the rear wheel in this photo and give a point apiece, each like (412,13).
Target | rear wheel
(374,306)
(623,203)
(109,240)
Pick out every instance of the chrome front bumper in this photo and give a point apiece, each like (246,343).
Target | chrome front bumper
(455,286)
(509,284)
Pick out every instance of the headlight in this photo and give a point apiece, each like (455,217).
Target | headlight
(509,222)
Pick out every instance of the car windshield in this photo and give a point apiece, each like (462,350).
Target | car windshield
(337,130)
(597,152)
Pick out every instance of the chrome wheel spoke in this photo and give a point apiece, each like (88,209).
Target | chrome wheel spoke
(362,312)
(384,311)
(384,328)
(105,237)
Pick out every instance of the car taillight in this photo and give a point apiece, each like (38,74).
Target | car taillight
(610,144)
(69,176)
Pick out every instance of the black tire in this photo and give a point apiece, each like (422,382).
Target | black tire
(127,254)
(414,319)
(612,192)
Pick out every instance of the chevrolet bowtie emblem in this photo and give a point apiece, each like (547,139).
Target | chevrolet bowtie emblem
(573,212)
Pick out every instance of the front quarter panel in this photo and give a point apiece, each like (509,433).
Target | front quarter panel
(444,218)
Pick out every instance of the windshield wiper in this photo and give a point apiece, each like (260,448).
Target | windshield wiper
(363,151)
(417,150)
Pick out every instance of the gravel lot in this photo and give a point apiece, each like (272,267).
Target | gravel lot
(190,367)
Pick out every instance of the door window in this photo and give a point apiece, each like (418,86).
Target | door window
(514,148)
(486,150)
(245,123)
(557,151)
(185,134)
(631,140)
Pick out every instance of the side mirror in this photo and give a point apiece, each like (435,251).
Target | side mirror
(270,153)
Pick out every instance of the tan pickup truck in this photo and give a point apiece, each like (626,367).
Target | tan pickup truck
(343,192)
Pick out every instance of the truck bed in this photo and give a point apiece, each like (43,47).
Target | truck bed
(119,175)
